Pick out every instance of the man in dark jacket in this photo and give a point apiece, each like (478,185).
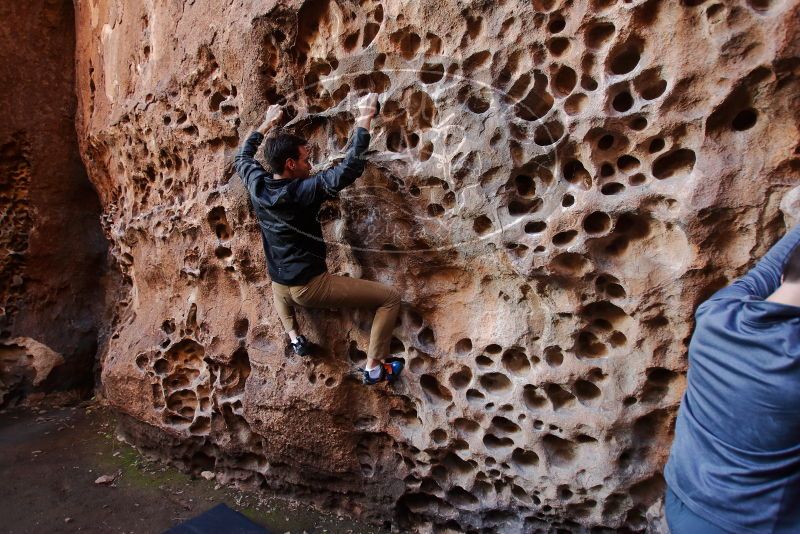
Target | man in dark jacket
(735,462)
(287,204)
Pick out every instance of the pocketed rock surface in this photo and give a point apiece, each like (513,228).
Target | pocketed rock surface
(552,186)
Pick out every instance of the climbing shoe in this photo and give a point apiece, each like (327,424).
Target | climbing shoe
(302,346)
(390,371)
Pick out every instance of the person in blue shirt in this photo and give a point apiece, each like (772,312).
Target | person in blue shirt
(735,461)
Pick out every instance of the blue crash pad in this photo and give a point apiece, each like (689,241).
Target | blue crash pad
(217,520)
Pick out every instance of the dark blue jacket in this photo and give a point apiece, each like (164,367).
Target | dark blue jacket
(735,460)
(287,209)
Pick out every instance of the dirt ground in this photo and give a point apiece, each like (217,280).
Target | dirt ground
(50,459)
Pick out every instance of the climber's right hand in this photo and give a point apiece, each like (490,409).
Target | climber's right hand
(367,109)
(368,105)
(273,114)
(271,118)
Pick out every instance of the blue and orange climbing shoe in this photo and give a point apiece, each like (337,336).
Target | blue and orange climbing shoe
(390,371)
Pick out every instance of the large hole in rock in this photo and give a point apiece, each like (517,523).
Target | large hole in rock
(461,379)
(533,398)
(501,425)
(436,392)
(676,163)
(560,452)
(597,34)
(524,459)
(745,119)
(537,102)
(515,361)
(431,72)
(624,57)
(586,391)
(597,222)
(495,383)
(559,396)
(464,346)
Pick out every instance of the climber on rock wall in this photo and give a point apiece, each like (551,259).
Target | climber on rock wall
(735,461)
(287,202)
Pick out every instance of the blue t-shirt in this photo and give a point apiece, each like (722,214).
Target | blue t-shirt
(735,460)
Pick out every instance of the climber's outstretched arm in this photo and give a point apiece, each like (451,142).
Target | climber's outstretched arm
(245,163)
(763,279)
(329,182)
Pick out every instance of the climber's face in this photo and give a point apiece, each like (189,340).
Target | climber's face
(301,167)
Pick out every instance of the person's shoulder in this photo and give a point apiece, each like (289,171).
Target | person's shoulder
(723,304)
(708,305)
(292,186)
(271,192)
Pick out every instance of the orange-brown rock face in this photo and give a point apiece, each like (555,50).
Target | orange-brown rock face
(553,187)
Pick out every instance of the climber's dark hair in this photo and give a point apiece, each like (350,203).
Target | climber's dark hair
(280,148)
(791,270)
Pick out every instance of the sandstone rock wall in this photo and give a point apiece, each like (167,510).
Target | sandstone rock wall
(554,186)
(52,249)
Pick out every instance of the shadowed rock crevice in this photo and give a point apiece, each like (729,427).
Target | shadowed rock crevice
(53,271)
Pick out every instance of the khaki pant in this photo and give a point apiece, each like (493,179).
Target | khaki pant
(330,291)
